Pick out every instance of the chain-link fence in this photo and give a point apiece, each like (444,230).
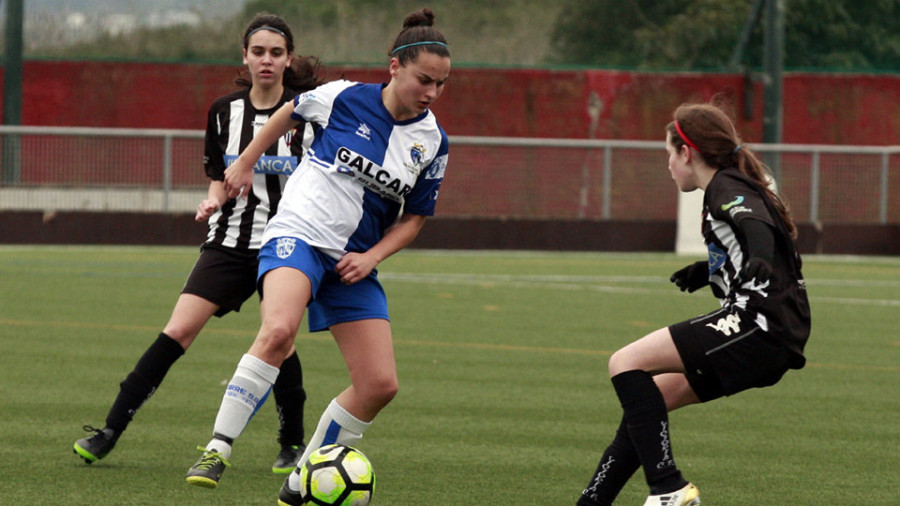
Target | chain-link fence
(95,169)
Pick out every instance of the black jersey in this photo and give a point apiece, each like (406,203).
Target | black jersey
(778,305)
(232,123)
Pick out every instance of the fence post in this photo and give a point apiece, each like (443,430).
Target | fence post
(883,208)
(607,181)
(814,189)
(167,170)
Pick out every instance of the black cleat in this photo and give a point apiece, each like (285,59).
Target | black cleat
(287,497)
(287,458)
(94,448)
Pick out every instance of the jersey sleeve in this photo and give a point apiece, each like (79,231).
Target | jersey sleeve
(213,156)
(315,105)
(734,200)
(423,197)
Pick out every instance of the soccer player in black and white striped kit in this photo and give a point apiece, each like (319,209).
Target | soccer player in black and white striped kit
(224,275)
(759,332)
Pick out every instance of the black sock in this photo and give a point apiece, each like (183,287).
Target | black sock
(142,382)
(647,421)
(289,399)
(617,465)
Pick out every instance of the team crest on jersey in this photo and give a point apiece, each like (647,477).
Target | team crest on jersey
(731,324)
(417,157)
(284,246)
(289,136)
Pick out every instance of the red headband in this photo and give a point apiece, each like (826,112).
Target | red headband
(685,139)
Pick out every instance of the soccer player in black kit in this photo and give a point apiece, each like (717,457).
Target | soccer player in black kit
(224,275)
(758,333)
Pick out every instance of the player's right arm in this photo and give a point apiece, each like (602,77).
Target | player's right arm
(239,176)
(215,197)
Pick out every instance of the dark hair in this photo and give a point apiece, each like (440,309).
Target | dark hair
(712,134)
(305,71)
(418,27)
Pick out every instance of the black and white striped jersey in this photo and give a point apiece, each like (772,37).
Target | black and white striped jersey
(779,304)
(231,125)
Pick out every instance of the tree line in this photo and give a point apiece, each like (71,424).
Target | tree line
(820,35)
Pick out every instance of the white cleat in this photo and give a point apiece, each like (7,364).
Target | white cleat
(687,496)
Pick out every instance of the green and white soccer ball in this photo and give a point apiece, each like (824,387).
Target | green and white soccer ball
(337,475)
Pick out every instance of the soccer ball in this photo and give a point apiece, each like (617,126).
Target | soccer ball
(337,475)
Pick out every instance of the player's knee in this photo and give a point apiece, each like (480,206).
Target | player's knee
(180,335)
(620,362)
(277,337)
(383,389)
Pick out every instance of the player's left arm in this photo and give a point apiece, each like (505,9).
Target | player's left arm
(353,267)
(760,240)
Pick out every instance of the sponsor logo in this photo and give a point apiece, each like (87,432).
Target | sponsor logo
(735,207)
(364,131)
(731,324)
(242,394)
(370,174)
(737,200)
(284,246)
(278,165)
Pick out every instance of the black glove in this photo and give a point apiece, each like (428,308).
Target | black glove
(757,269)
(693,277)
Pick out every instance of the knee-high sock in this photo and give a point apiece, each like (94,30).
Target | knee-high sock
(143,381)
(289,399)
(245,394)
(336,426)
(617,465)
(647,420)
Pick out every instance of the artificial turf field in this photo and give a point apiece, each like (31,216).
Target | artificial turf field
(504,397)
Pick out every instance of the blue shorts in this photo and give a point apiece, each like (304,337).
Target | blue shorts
(332,301)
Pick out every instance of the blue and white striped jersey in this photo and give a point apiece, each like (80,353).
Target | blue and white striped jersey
(362,171)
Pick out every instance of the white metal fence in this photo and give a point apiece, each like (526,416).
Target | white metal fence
(139,170)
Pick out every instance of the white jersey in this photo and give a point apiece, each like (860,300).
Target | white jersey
(363,169)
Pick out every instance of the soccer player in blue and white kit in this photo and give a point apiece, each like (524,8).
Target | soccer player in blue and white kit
(751,341)
(224,275)
(361,193)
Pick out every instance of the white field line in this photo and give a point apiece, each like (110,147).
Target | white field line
(606,284)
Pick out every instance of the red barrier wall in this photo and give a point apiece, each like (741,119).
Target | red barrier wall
(856,109)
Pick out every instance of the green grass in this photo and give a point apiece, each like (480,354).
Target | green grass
(504,396)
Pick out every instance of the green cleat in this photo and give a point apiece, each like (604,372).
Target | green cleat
(208,470)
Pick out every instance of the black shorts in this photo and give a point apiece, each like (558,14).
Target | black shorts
(224,277)
(726,352)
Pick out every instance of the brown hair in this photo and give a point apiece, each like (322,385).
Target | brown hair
(418,28)
(304,73)
(712,134)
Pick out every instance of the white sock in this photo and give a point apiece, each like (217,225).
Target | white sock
(337,426)
(245,394)
(220,447)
